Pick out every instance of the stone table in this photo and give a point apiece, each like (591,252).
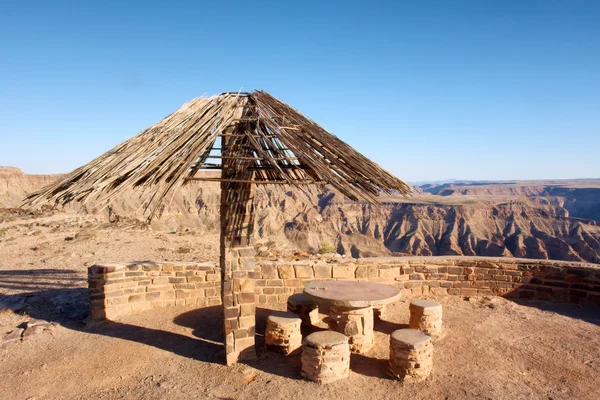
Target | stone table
(351,307)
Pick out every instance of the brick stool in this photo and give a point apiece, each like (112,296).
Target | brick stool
(426,316)
(283,333)
(411,355)
(304,307)
(325,356)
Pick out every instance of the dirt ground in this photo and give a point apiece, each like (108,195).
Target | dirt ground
(492,349)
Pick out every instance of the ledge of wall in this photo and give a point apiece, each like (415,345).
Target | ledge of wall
(121,289)
(416,276)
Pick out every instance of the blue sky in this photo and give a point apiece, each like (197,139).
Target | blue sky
(429,90)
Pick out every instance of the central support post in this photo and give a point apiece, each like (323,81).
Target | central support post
(237,250)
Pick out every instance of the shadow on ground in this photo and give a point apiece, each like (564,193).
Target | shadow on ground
(587,314)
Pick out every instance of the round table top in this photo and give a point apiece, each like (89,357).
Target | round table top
(352,294)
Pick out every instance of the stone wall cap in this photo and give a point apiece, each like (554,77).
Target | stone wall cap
(410,337)
(425,304)
(325,339)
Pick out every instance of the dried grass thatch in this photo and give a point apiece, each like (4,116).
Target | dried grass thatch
(271,140)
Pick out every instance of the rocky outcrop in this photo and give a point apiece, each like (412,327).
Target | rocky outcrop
(537,221)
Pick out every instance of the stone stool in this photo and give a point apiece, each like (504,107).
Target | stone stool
(411,355)
(325,356)
(303,306)
(426,316)
(283,333)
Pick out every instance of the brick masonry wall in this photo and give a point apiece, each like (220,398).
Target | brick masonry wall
(438,276)
(121,289)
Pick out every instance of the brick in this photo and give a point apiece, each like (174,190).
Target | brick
(116,293)
(152,296)
(246,252)
(323,271)
(412,284)
(292,283)
(343,272)
(304,272)
(134,298)
(117,300)
(247,263)
(275,282)
(168,295)
(437,291)
(268,271)
(246,322)
(366,271)
(247,309)
(245,298)
(182,294)
(212,277)
(391,272)
(462,284)
(183,286)
(408,270)
(456,270)
(204,285)
(231,312)
(160,280)
(286,272)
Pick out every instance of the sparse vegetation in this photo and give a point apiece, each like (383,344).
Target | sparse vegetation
(327,247)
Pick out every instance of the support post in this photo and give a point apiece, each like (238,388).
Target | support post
(237,250)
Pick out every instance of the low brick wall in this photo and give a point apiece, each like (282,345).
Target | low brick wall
(121,289)
(438,276)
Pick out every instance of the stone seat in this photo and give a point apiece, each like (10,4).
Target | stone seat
(426,316)
(305,307)
(411,355)
(283,333)
(325,357)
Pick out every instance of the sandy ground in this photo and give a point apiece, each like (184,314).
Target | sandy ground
(493,348)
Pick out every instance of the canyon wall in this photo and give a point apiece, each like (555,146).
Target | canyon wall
(531,221)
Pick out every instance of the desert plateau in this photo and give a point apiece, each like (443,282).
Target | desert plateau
(493,347)
(300,200)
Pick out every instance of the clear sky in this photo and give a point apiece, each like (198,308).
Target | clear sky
(429,90)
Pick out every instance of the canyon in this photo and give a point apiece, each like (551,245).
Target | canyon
(556,219)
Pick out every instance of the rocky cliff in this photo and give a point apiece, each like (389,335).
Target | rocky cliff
(533,220)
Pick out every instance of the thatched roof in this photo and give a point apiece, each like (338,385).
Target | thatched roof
(285,147)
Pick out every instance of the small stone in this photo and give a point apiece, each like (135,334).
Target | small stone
(13,336)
